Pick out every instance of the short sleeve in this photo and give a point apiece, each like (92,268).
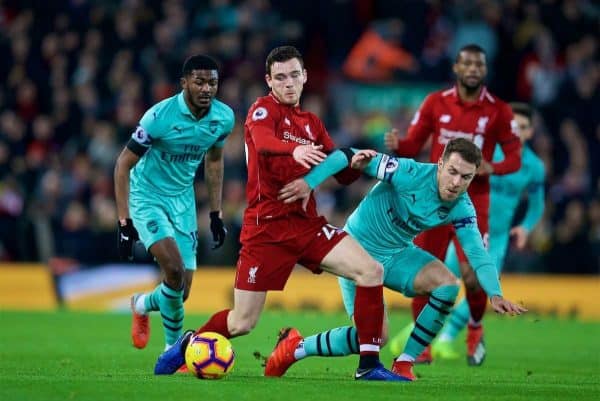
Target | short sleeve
(228,124)
(152,123)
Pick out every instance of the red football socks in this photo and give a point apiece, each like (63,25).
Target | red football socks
(217,323)
(368,316)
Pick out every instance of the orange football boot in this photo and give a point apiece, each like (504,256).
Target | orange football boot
(404,369)
(140,326)
(475,346)
(282,356)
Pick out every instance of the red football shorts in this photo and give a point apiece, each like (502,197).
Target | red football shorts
(271,250)
(436,240)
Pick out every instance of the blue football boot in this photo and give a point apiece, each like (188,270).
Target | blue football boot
(379,373)
(169,361)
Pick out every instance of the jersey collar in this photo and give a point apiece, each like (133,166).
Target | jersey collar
(184,109)
(454,93)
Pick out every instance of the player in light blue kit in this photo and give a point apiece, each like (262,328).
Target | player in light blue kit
(154,188)
(505,195)
(411,197)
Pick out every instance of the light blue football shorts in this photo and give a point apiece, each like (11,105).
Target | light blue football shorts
(399,272)
(156,217)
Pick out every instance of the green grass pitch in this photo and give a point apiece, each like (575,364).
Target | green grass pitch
(87,356)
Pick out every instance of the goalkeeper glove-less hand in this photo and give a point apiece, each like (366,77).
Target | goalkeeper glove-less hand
(218,229)
(127,236)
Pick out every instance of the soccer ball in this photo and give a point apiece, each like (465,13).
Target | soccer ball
(209,355)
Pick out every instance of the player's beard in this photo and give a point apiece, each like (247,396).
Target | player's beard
(203,103)
(200,103)
(471,88)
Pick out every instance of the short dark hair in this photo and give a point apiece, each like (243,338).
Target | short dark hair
(465,148)
(522,109)
(281,54)
(198,62)
(470,48)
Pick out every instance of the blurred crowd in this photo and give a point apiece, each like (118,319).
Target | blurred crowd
(78,74)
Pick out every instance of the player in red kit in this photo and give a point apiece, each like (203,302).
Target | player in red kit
(282,143)
(467,110)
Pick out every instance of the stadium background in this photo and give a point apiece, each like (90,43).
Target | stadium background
(77,75)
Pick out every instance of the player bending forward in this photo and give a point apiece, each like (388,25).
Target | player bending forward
(411,197)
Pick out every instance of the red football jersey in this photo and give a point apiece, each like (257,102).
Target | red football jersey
(487,122)
(272,130)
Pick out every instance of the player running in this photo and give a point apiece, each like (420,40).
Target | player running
(154,190)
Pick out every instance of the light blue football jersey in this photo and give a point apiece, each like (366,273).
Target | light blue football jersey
(407,203)
(177,143)
(506,191)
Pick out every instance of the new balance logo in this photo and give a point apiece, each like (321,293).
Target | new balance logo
(310,134)
(481,123)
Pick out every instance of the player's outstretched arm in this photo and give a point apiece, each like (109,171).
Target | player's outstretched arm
(362,158)
(501,305)
(485,270)
(333,164)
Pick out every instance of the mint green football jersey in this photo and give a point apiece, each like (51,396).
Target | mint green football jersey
(177,143)
(405,203)
(506,191)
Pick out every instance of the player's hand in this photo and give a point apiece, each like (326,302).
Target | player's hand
(520,235)
(361,159)
(501,305)
(217,228)
(307,155)
(295,190)
(127,235)
(485,168)
(391,139)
